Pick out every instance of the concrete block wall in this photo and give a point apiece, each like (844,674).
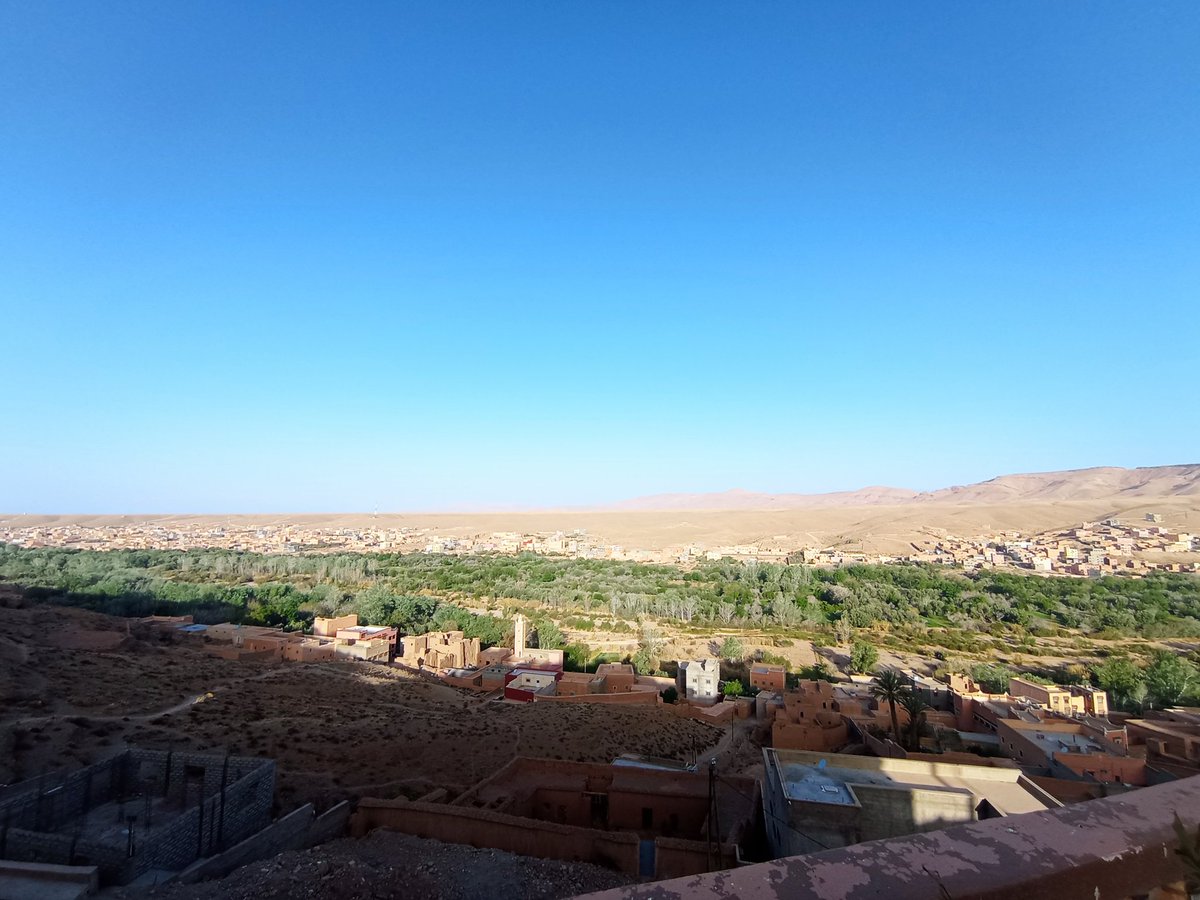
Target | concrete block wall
(36,816)
(295,831)
(170,773)
(46,803)
(65,850)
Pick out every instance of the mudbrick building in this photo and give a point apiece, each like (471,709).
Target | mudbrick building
(140,811)
(438,650)
(639,819)
(1168,739)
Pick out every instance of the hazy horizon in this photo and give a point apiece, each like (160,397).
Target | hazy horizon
(484,256)
(616,505)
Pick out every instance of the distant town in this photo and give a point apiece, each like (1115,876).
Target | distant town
(1090,549)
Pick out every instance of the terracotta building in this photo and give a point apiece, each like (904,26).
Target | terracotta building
(810,719)
(329,627)
(1169,739)
(1051,696)
(767,677)
(1040,743)
(1095,701)
(438,650)
(609,678)
(644,820)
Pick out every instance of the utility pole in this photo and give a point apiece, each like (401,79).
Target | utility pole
(714,822)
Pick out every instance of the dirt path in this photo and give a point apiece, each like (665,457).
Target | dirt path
(140,717)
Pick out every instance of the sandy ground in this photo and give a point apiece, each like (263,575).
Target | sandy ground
(873,529)
(390,865)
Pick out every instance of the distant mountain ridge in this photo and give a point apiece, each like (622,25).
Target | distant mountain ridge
(1096,483)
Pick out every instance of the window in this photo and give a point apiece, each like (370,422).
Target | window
(647,817)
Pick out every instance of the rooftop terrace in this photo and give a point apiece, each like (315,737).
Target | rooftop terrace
(807,776)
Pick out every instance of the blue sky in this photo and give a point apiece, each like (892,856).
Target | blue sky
(290,256)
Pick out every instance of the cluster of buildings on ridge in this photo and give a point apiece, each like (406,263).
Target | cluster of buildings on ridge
(1065,736)
(1065,733)
(331,639)
(1091,549)
(831,777)
(307,538)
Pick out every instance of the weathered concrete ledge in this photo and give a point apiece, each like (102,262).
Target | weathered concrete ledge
(1116,847)
(43,881)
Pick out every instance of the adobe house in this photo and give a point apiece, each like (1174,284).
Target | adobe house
(768,677)
(1041,743)
(645,820)
(329,627)
(1051,696)
(811,719)
(1171,738)
(438,650)
(618,677)
(609,678)
(493,656)
(374,643)
(524,685)
(308,650)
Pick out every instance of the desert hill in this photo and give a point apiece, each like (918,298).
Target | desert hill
(1099,483)
(741,499)
(1078,484)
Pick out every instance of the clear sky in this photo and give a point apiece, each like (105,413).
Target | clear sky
(319,256)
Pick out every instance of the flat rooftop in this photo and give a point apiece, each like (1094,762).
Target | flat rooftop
(1058,742)
(808,777)
(815,785)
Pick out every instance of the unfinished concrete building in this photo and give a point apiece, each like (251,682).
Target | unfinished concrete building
(141,811)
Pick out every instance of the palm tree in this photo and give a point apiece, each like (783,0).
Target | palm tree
(890,687)
(915,707)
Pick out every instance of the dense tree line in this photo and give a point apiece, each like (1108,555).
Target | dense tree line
(289,590)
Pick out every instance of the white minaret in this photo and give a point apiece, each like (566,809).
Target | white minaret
(519,635)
